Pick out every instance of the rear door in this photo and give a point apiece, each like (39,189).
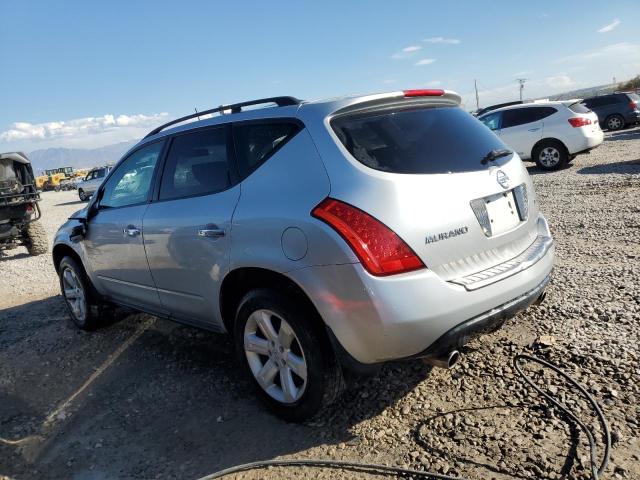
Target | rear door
(113,242)
(521,128)
(187,230)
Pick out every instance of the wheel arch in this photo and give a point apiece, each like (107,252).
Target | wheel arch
(237,283)
(62,250)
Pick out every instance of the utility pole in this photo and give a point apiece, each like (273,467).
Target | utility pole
(521,81)
(475,84)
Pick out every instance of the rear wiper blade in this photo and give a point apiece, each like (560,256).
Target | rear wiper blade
(495,154)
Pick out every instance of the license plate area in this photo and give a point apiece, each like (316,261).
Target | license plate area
(502,212)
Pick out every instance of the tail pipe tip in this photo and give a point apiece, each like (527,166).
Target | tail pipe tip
(446,360)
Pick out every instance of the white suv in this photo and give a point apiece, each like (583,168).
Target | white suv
(548,133)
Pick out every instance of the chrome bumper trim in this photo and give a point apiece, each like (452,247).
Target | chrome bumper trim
(526,259)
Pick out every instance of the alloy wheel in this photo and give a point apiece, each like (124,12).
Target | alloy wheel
(549,157)
(275,356)
(614,123)
(74,293)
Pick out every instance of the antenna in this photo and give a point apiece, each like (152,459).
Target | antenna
(196,112)
(521,81)
(475,84)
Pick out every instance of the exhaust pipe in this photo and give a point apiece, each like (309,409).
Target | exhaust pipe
(541,298)
(446,360)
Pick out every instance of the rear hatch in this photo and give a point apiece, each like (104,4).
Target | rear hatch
(423,171)
(579,110)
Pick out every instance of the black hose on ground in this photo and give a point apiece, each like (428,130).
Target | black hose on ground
(596,472)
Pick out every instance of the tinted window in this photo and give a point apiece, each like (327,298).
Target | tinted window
(492,120)
(197,164)
(255,142)
(426,140)
(521,116)
(100,173)
(579,108)
(130,184)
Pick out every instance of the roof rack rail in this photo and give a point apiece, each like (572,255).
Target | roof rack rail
(235,108)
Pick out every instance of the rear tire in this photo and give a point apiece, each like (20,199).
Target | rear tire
(85,311)
(82,195)
(281,341)
(614,122)
(36,239)
(550,155)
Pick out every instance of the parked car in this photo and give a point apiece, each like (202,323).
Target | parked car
(322,236)
(615,111)
(91,182)
(548,133)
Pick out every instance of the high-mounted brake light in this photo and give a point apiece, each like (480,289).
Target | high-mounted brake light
(579,122)
(429,92)
(380,250)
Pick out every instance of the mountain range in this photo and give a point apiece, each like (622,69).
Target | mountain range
(48,158)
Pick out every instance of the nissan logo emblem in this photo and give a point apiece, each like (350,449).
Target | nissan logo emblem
(502,179)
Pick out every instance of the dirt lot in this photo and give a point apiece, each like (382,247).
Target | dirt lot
(146,398)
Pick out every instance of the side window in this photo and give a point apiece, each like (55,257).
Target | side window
(256,142)
(100,173)
(130,184)
(492,120)
(89,176)
(514,117)
(539,113)
(197,164)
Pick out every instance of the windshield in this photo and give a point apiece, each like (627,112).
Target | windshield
(425,140)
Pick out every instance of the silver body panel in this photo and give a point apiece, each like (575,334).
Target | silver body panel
(267,224)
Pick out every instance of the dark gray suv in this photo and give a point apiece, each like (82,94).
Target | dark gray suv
(615,111)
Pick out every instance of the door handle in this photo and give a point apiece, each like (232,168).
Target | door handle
(211,232)
(534,129)
(131,231)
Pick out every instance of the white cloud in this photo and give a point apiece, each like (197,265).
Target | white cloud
(433,83)
(406,52)
(617,52)
(82,130)
(611,26)
(559,81)
(446,41)
(424,61)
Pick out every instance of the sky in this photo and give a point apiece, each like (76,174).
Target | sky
(87,74)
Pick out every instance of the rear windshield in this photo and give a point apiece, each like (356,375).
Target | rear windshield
(578,108)
(425,140)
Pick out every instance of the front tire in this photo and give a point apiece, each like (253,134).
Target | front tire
(77,293)
(36,239)
(284,350)
(550,155)
(82,195)
(614,122)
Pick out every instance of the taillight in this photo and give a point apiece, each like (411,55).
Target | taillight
(633,104)
(429,92)
(378,247)
(30,208)
(579,122)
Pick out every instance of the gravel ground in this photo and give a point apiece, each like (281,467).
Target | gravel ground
(146,398)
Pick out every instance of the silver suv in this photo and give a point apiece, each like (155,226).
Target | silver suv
(91,182)
(322,236)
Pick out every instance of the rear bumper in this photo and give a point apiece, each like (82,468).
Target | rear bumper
(376,319)
(583,142)
(632,117)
